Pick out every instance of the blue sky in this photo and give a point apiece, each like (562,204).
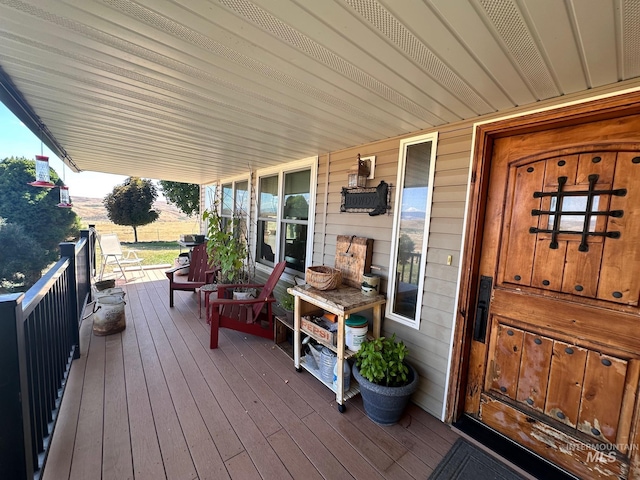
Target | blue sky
(17,140)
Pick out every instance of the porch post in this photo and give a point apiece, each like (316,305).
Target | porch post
(16,460)
(68,249)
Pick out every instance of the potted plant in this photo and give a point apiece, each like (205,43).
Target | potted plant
(226,246)
(287,303)
(386,379)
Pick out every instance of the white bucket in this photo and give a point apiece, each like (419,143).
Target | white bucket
(355,332)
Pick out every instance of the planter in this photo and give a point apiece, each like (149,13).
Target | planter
(243,295)
(385,405)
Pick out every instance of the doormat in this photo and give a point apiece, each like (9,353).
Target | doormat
(467,462)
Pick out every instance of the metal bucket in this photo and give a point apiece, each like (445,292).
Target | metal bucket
(108,315)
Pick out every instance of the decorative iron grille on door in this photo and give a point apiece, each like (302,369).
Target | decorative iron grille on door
(568,213)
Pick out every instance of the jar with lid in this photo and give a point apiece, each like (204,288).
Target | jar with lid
(356,327)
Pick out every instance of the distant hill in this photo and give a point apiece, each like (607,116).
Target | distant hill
(92,210)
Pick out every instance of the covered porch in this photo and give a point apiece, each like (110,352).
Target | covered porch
(155,402)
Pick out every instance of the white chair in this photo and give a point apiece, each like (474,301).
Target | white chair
(112,254)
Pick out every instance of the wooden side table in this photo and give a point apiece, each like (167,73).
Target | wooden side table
(207,289)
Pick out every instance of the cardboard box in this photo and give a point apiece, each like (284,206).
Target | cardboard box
(316,329)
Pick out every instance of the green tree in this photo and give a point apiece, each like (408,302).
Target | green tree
(130,203)
(35,211)
(405,248)
(185,196)
(20,257)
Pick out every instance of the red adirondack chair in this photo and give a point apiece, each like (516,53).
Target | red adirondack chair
(199,273)
(246,316)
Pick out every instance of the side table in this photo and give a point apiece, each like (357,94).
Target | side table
(207,289)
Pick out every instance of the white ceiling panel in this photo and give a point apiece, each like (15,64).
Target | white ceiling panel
(197,90)
(596,31)
(557,42)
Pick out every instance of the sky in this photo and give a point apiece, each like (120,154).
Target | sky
(16,140)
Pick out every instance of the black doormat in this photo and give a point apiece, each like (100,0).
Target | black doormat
(468,462)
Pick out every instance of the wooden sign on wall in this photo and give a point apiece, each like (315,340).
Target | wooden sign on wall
(353,258)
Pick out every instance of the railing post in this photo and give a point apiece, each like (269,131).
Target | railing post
(15,423)
(68,249)
(92,237)
(86,234)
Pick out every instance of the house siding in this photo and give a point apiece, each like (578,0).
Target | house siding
(430,346)
(430,350)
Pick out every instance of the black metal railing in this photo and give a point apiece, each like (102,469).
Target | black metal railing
(39,338)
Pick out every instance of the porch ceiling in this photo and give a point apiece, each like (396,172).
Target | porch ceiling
(194,90)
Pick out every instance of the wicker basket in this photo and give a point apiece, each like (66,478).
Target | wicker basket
(324,278)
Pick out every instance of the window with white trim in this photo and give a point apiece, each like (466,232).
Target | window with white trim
(412,213)
(234,202)
(210,195)
(285,216)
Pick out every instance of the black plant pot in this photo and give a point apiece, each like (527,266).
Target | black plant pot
(385,405)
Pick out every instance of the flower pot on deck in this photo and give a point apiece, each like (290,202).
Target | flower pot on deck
(385,405)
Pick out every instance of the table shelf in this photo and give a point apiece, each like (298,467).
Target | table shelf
(354,387)
(281,327)
(342,302)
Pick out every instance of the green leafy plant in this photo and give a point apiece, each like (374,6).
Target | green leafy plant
(33,224)
(287,302)
(381,361)
(226,246)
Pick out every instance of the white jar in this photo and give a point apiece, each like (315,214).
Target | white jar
(355,331)
(370,284)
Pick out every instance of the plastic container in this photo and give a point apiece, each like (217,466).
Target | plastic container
(356,327)
(346,379)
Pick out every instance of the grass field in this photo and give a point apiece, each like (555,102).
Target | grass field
(154,232)
(157,242)
(152,253)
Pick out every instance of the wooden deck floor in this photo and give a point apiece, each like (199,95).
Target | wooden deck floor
(155,402)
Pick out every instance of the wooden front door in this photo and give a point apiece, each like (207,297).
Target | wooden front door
(555,356)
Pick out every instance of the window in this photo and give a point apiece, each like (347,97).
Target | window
(267,220)
(412,211)
(284,210)
(210,195)
(234,201)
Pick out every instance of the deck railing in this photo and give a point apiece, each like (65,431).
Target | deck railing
(39,338)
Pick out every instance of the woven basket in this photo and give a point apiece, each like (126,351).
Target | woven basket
(324,278)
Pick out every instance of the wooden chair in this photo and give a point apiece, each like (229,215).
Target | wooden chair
(199,273)
(244,315)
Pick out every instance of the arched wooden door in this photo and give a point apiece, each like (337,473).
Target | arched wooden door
(555,359)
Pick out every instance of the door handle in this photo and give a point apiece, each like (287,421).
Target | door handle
(482,309)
